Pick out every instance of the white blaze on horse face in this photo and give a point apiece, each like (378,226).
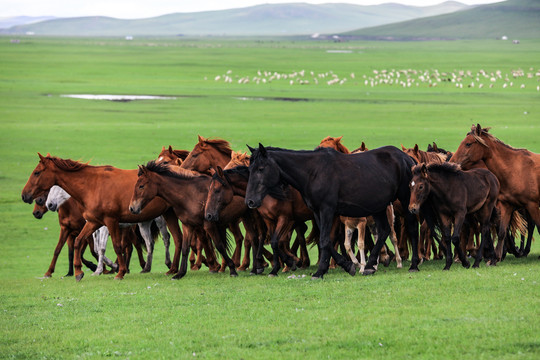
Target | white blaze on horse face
(160,158)
(413,183)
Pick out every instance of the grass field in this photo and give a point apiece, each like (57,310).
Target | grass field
(491,312)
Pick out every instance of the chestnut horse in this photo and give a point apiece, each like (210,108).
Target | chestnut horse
(333,184)
(186,192)
(103,193)
(360,224)
(518,171)
(453,194)
(169,155)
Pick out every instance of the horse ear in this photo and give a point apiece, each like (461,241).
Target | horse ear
(170,150)
(403,147)
(201,139)
(262,149)
(338,139)
(423,171)
(219,171)
(41,157)
(363,146)
(435,147)
(478,129)
(142,170)
(416,148)
(250,148)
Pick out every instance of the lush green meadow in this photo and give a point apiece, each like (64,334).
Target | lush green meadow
(490,312)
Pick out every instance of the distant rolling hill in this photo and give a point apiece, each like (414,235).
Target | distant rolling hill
(268,19)
(516,19)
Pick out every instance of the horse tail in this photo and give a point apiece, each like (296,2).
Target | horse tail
(518,223)
(154,230)
(139,238)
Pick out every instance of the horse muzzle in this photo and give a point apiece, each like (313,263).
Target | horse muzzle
(414,209)
(27,198)
(38,214)
(211,217)
(252,204)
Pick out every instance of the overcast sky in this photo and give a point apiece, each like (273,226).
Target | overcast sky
(133,9)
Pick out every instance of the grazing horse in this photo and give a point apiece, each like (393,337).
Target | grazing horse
(102,192)
(360,223)
(453,194)
(331,184)
(186,192)
(518,172)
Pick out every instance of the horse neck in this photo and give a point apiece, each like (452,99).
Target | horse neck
(439,184)
(77,183)
(290,171)
(499,158)
(179,191)
(220,159)
(238,184)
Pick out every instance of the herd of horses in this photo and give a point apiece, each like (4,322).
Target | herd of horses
(424,200)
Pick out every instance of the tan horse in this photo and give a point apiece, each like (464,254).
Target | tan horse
(518,171)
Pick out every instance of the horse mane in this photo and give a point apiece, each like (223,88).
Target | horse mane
(220,144)
(67,164)
(166,170)
(478,131)
(240,170)
(182,154)
(446,167)
(238,159)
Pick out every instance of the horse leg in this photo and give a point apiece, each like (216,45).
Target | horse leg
(393,236)
(218,235)
(99,246)
(506,214)
(162,226)
(71,252)
(446,239)
(361,241)
(174,228)
(238,239)
(382,232)
(146,233)
(301,237)
(61,241)
(458,224)
(189,233)
(116,238)
(248,243)
(283,227)
(87,230)
(412,230)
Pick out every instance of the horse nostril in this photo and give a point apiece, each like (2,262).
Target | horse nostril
(209,217)
(251,204)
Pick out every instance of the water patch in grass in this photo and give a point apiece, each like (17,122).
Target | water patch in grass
(120,98)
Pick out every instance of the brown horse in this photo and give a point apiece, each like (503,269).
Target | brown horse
(103,192)
(518,171)
(360,223)
(207,155)
(426,157)
(453,194)
(169,155)
(186,192)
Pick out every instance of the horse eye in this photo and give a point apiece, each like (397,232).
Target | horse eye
(165,162)
(468,144)
(141,187)
(36,173)
(261,169)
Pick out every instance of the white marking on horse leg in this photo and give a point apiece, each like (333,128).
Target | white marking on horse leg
(348,237)
(146,233)
(162,225)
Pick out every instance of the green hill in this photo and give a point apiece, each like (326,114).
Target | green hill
(269,19)
(516,19)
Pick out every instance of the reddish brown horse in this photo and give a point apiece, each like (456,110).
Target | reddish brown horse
(518,171)
(103,192)
(169,155)
(453,194)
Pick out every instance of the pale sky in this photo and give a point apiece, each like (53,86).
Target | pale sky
(133,9)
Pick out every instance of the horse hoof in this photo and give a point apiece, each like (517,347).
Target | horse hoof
(242,268)
(352,270)
(368,272)
(117,277)
(414,269)
(46,276)
(79,277)
(466,265)
(177,277)
(144,271)
(234,275)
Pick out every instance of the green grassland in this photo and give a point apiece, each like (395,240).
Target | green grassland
(490,312)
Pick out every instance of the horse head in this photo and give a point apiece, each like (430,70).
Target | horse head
(144,191)
(473,149)
(40,181)
(420,187)
(57,196)
(220,194)
(264,175)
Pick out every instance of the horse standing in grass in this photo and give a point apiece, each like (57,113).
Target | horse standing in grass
(352,223)
(453,194)
(518,172)
(332,184)
(103,193)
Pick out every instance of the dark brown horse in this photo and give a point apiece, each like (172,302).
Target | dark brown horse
(453,194)
(518,171)
(186,192)
(103,192)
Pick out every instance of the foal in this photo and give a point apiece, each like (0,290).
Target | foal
(454,194)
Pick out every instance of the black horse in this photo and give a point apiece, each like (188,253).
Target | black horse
(332,184)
